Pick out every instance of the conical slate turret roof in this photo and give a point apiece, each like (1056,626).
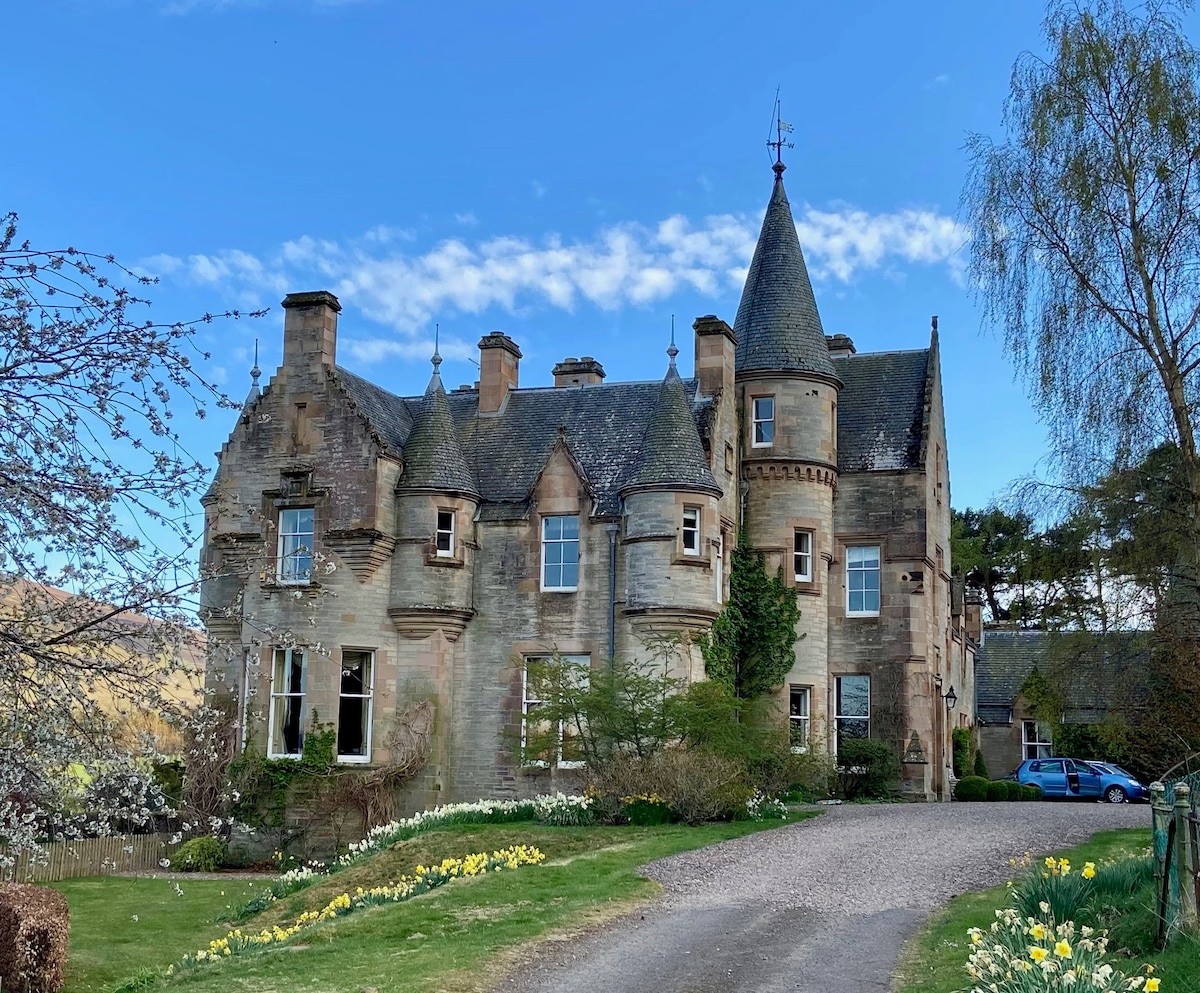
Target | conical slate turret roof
(433,457)
(777,325)
(672,455)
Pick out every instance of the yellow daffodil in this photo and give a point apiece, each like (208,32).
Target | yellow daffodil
(1152,985)
(1038,932)
(1062,949)
(1037,953)
(1089,870)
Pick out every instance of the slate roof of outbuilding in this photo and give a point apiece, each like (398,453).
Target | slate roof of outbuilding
(777,324)
(1094,671)
(881,410)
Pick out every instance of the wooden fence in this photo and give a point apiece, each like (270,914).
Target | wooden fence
(1177,859)
(90,857)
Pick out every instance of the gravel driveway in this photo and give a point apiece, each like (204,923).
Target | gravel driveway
(823,904)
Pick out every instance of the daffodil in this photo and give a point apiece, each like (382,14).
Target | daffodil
(1089,870)
(1152,984)
(1062,949)
(1037,953)
(1038,932)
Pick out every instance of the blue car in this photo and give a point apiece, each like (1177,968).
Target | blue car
(1073,778)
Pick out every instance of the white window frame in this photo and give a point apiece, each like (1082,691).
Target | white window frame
(279,699)
(584,662)
(757,420)
(804,556)
(799,720)
(448,533)
(288,531)
(692,517)
(546,542)
(1042,738)
(719,567)
(369,696)
(852,567)
(837,706)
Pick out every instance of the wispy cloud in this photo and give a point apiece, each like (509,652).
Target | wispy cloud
(621,265)
(941,79)
(467,219)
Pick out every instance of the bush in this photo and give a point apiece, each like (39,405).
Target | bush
(866,768)
(647,811)
(1013,790)
(971,788)
(961,738)
(34,924)
(981,768)
(1031,792)
(696,784)
(997,790)
(203,854)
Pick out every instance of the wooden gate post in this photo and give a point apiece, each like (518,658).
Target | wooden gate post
(1185,858)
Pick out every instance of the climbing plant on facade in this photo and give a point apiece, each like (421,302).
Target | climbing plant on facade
(750,646)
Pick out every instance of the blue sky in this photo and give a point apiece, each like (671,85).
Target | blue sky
(570,174)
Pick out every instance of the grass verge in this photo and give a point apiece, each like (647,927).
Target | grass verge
(933,960)
(455,939)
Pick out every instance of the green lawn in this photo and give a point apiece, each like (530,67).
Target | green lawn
(445,941)
(933,961)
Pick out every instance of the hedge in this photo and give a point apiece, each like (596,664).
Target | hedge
(1014,790)
(997,790)
(971,788)
(34,924)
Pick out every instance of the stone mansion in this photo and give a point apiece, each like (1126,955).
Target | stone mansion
(364,549)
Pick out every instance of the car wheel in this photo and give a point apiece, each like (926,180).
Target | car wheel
(1114,794)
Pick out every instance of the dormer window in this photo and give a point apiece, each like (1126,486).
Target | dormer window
(691,530)
(764,421)
(560,553)
(444,539)
(295,556)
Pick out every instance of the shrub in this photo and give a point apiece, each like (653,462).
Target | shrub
(648,811)
(1013,790)
(997,790)
(696,784)
(866,768)
(961,738)
(1031,792)
(981,768)
(971,788)
(203,854)
(34,924)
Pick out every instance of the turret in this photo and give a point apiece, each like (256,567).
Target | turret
(788,393)
(436,500)
(672,524)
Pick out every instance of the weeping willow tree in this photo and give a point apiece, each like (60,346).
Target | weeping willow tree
(1086,249)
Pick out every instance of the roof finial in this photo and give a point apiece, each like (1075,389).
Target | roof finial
(781,128)
(256,371)
(437,358)
(672,351)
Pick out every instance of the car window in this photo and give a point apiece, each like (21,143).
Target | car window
(1035,766)
(1055,766)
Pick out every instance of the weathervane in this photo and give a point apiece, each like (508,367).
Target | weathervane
(781,128)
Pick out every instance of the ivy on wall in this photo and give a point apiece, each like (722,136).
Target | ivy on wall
(750,646)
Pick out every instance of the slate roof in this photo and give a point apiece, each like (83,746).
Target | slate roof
(433,456)
(672,454)
(777,324)
(603,427)
(1094,671)
(881,410)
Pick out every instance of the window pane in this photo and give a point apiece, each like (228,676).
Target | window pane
(554,552)
(353,731)
(798,705)
(856,580)
(853,696)
(871,601)
(570,527)
(570,574)
(552,527)
(851,728)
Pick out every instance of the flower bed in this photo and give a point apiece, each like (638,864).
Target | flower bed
(556,809)
(423,879)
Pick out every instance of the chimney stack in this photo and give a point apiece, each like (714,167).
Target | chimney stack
(498,360)
(715,353)
(310,330)
(973,617)
(840,347)
(578,372)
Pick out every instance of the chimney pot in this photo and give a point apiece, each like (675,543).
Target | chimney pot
(578,372)
(840,347)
